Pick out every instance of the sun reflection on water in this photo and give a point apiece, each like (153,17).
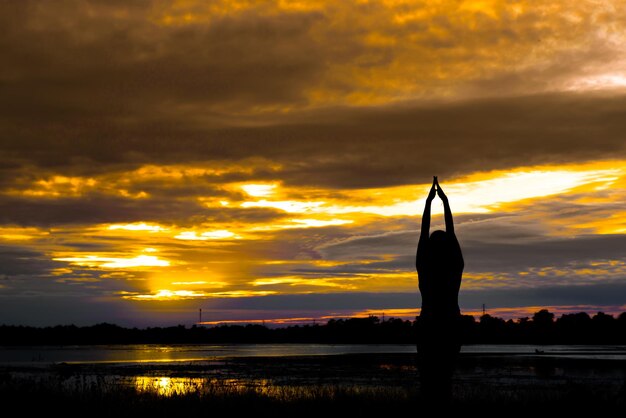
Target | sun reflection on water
(171,386)
(168,386)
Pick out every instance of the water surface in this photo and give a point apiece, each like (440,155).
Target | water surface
(154,353)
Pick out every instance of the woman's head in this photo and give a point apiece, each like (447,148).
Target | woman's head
(439,241)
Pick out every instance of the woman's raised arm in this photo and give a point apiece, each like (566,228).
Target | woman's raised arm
(426,216)
(425,233)
(447,213)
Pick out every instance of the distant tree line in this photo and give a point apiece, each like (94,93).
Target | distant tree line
(542,328)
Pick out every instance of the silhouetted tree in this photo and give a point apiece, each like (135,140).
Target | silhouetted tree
(543,327)
(603,326)
(576,328)
(573,328)
(523,330)
(491,330)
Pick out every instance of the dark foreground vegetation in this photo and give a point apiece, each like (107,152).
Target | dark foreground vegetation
(542,328)
(46,397)
(349,385)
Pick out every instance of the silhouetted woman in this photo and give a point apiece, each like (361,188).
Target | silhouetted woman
(439,264)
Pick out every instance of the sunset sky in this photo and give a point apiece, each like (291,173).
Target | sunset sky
(269,160)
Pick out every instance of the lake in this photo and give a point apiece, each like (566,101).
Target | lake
(156,353)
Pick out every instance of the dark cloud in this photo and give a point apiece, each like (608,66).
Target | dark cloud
(600,294)
(67,309)
(23,261)
(394,265)
(100,87)
(597,294)
(401,145)
(80,310)
(354,148)
(84,61)
(551,252)
(501,244)
(104,244)
(107,209)
(370,246)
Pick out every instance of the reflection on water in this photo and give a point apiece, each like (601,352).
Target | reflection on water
(170,386)
(301,389)
(154,353)
(178,353)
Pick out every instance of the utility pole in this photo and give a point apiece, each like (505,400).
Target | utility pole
(200,317)
(484,309)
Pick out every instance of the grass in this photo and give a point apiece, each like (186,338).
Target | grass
(103,398)
(84,396)
(352,386)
